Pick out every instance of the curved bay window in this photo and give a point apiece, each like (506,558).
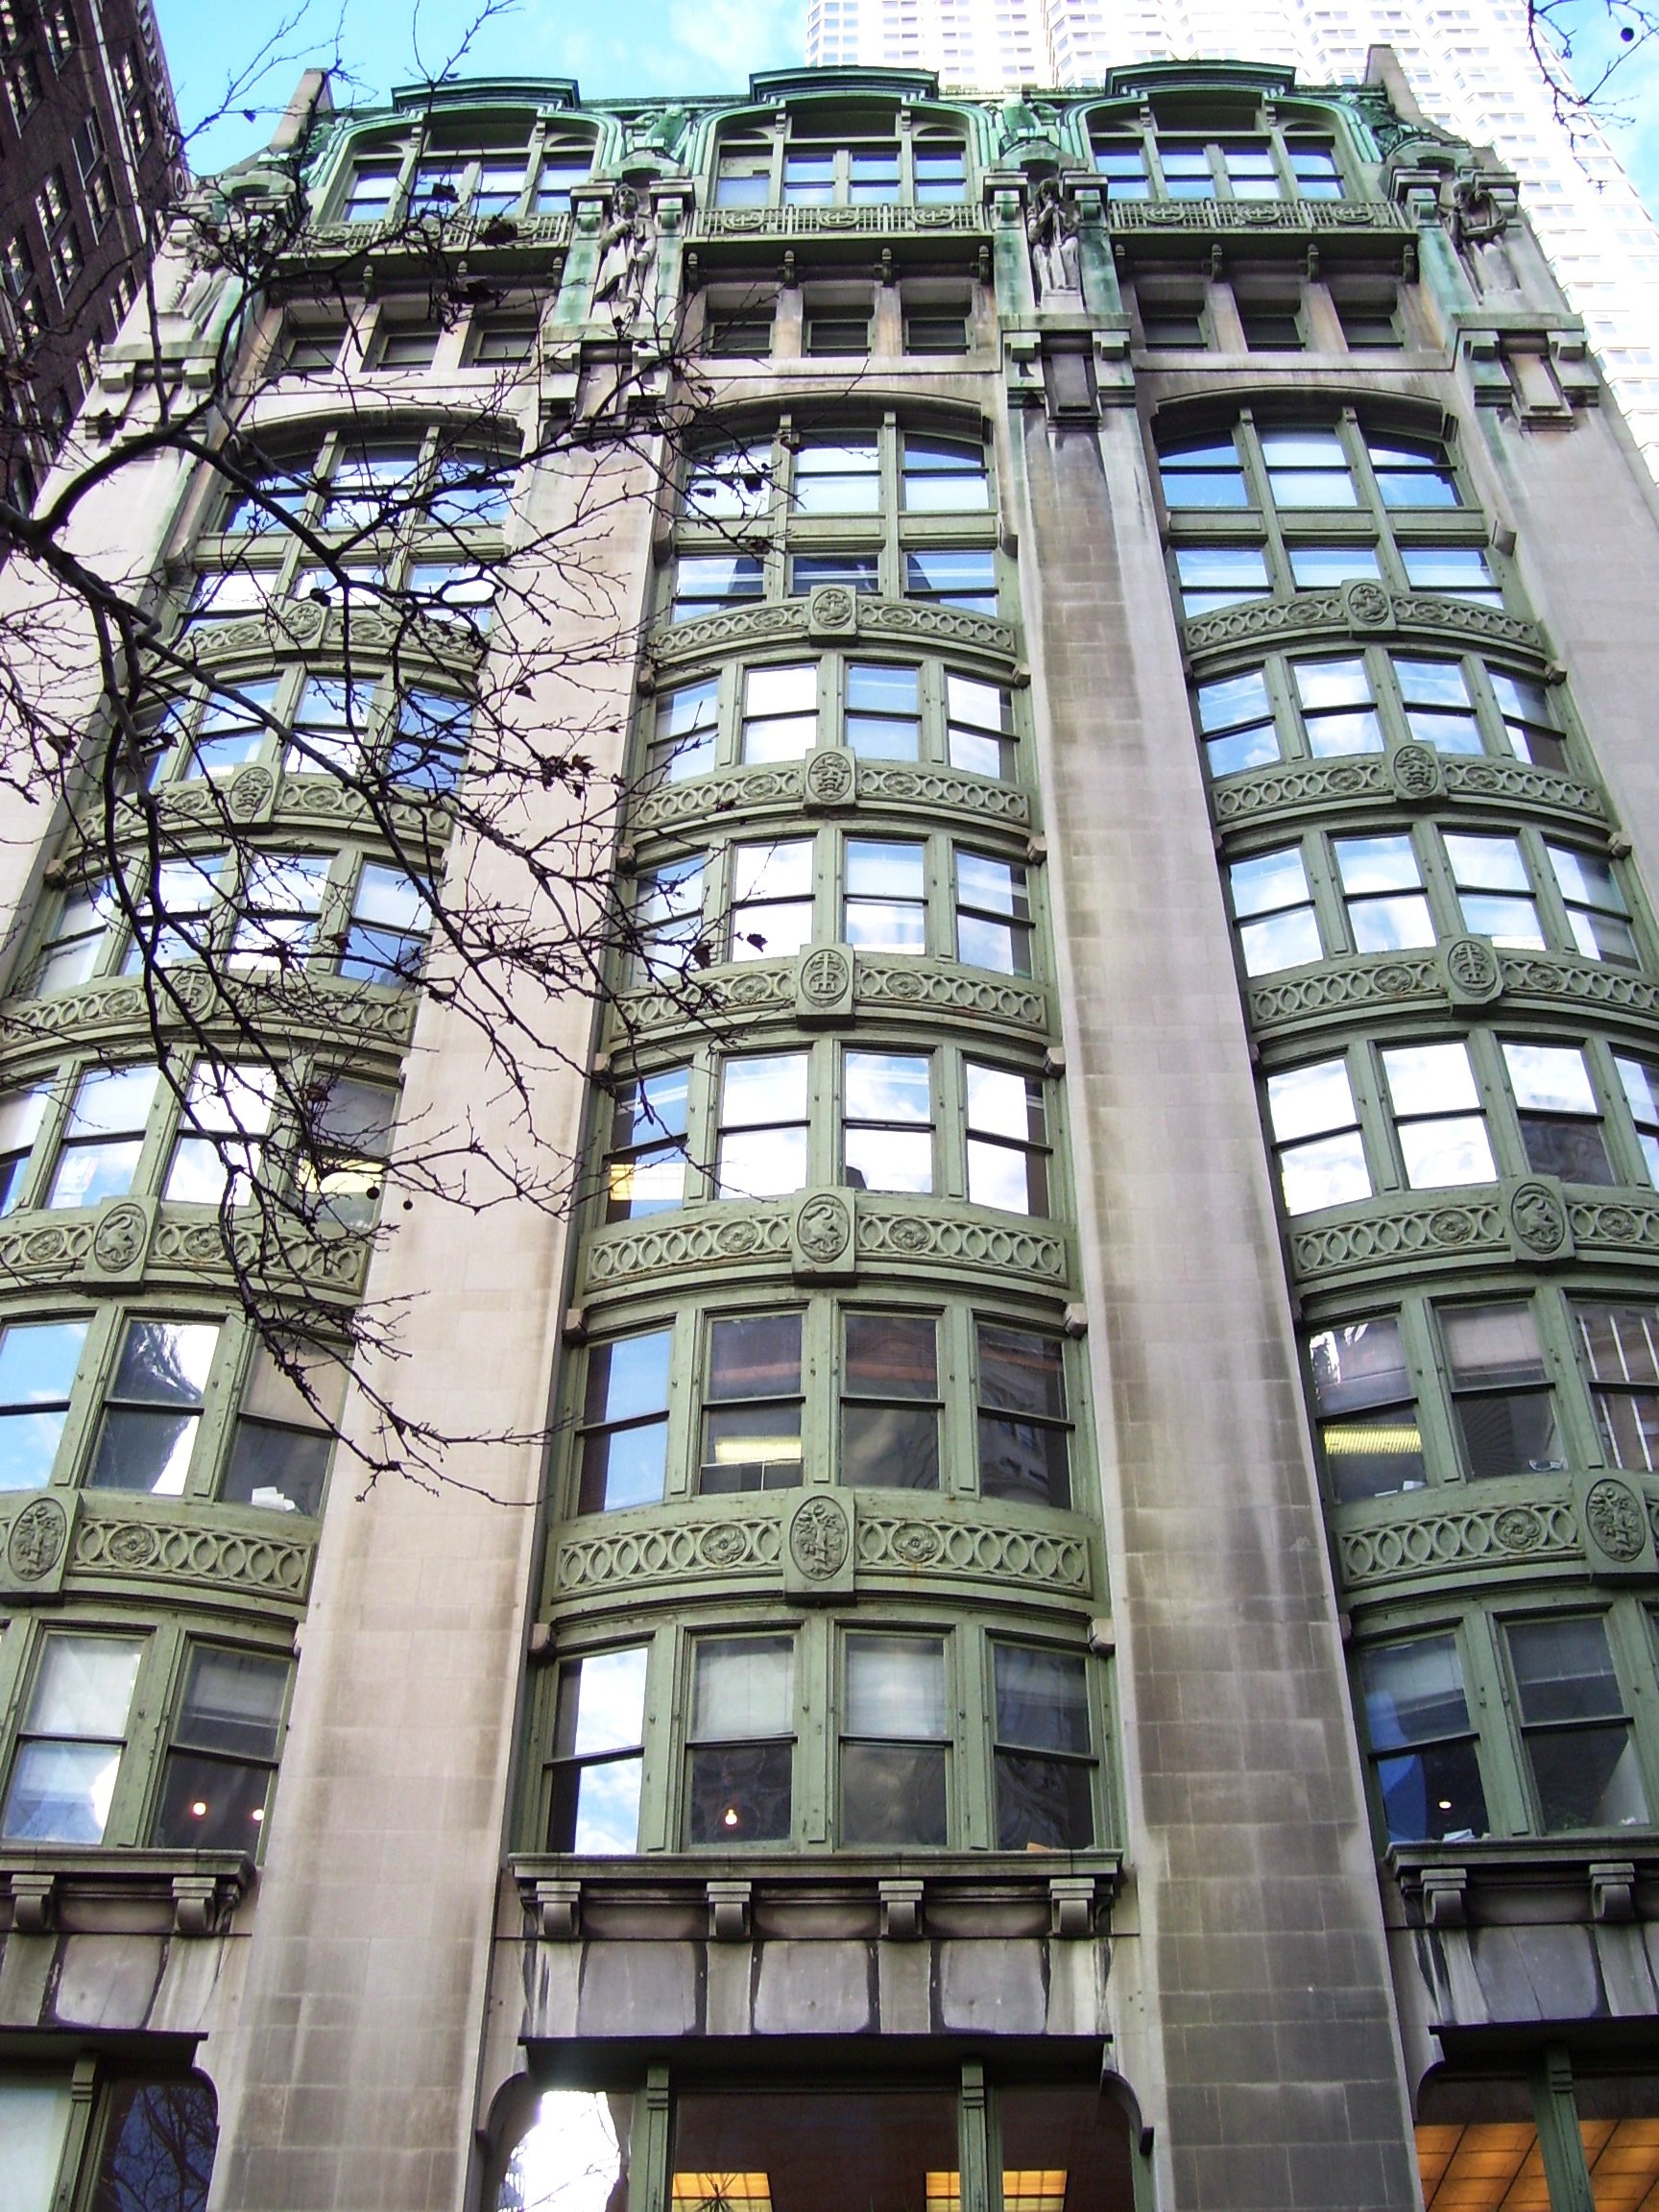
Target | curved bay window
(842,160)
(1264,509)
(107,2138)
(891,513)
(948,1734)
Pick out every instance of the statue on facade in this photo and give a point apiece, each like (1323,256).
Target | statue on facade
(1051,232)
(1480,217)
(627,253)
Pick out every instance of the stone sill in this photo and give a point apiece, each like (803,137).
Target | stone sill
(82,1889)
(1610,1877)
(898,1898)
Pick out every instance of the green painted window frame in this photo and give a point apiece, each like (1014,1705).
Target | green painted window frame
(822,1392)
(967,1630)
(543,150)
(722,914)
(98,2094)
(1269,709)
(1497,1721)
(228,1387)
(168,1641)
(826,1113)
(758,149)
(722,717)
(1333,902)
(1367,535)
(1496,1100)
(1276,138)
(772,527)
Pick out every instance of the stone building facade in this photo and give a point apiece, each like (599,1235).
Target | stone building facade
(1069,1622)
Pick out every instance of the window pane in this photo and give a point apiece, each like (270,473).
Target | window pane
(602,1703)
(33,2119)
(1430,1079)
(1564,1671)
(1304,1101)
(743,1686)
(1368,1422)
(233,1703)
(894,1793)
(838,477)
(758,1356)
(896,1686)
(764,1090)
(61,1793)
(1413,1692)
(1020,1372)
(84,1686)
(166,1362)
(1041,1699)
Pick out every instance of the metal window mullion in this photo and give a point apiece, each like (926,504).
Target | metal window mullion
(1324,894)
(1616,1120)
(1374,1113)
(137,1779)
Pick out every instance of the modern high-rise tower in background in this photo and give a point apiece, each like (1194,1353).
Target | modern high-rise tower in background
(1467,61)
(88,152)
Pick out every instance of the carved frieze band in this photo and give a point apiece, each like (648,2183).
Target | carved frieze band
(264,1565)
(888,1542)
(1469,971)
(256,796)
(1359,609)
(875,783)
(281,1004)
(1299,786)
(450,235)
(722,1235)
(771,622)
(303,624)
(1348,215)
(816,222)
(1433,1543)
(126,1243)
(53,1535)
(769,988)
(1530,1221)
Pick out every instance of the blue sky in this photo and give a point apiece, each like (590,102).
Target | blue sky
(626,46)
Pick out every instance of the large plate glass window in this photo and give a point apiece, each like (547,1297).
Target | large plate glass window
(1045,1763)
(625,1423)
(1024,1434)
(217,1781)
(39,1361)
(1500,1396)
(1575,1726)
(153,1406)
(1366,1409)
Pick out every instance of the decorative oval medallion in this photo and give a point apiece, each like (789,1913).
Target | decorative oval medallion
(818,1539)
(1537,1218)
(38,1535)
(119,1238)
(824,1228)
(826,975)
(1613,1516)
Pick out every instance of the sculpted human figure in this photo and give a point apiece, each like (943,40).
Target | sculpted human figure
(627,249)
(1052,232)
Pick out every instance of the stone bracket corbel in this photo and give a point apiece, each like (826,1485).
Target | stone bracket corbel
(1445,1897)
(1613,1889)
(200,1902)
(33,1903)
(729,1910)
(901,1911)
(557,1910)
(1072,1906)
